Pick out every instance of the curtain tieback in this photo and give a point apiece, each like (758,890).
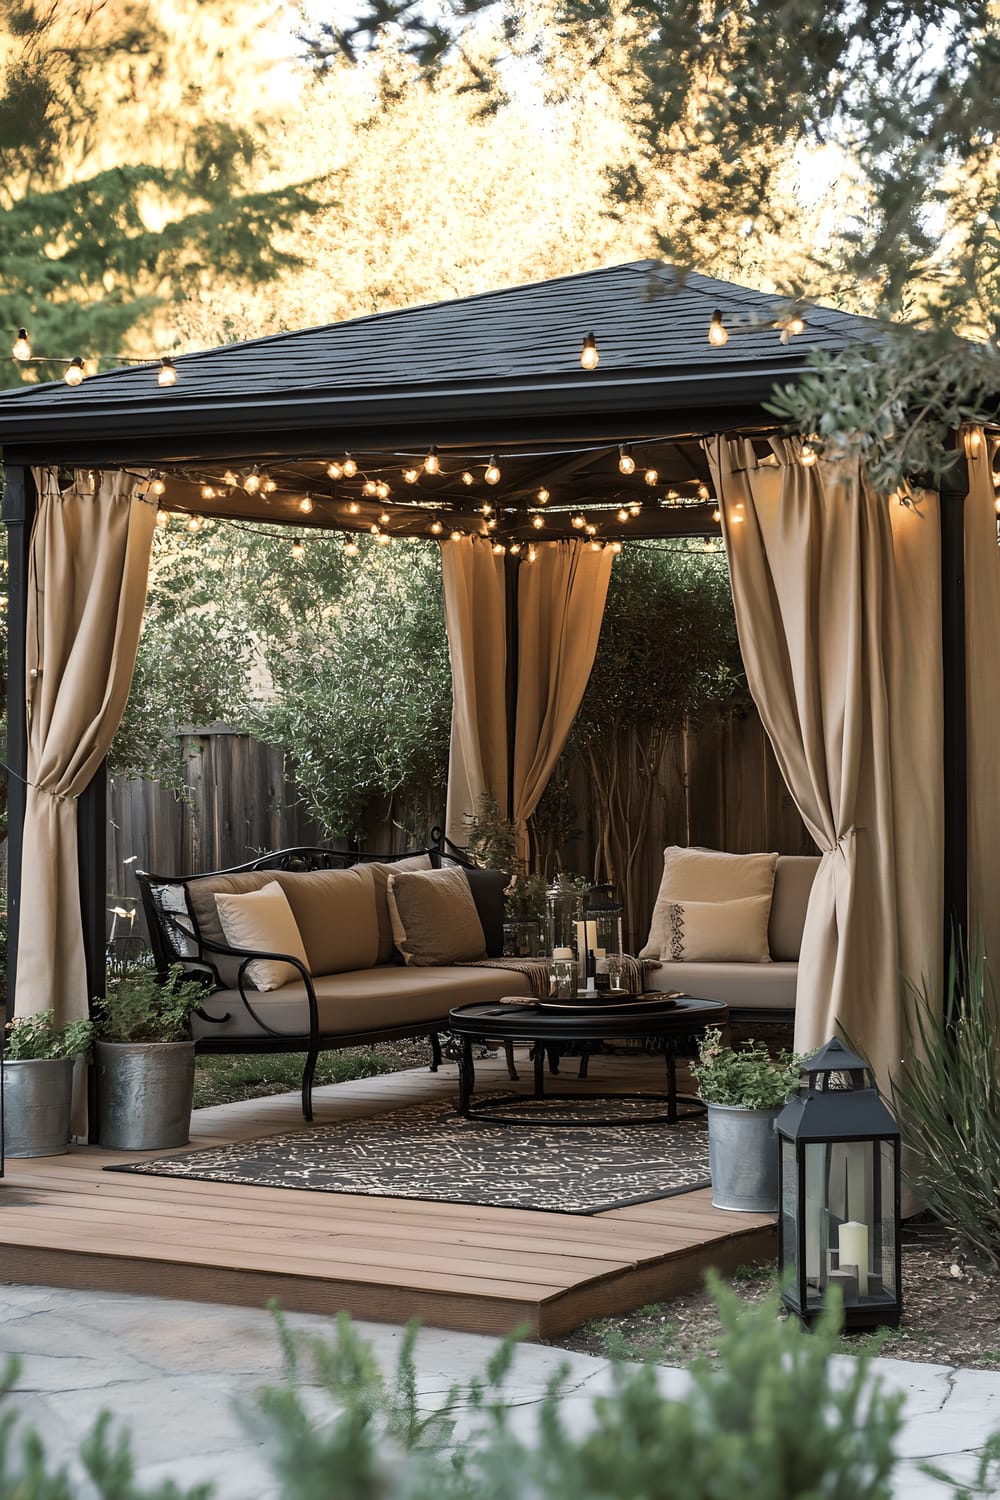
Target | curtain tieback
(846,838)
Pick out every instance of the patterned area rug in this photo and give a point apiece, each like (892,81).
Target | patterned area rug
(427,1151)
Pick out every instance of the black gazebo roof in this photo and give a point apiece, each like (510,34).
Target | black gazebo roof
(495,373)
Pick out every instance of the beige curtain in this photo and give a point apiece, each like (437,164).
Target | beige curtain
(87,576)
(837,596)
(561,597)
(475,616)
(982,638)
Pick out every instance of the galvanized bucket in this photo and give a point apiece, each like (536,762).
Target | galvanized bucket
(37,1102)
(743,1156)
(144,1094)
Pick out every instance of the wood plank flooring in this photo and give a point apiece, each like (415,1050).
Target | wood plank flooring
(64,1221)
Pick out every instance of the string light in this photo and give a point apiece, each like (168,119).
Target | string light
(305,505)
(348,468)
(207,492)
(596,546)
(486,508)
(251,482)
(626,463)
(382,490)
(623,514)
(717,514)
(578,521)
(384,518)
(157,486)
(589,357)
(651,476)
(456,536)
(704,493)
(499,549)
(616,547)
(411,476)
(269,485)
(515,548)
(298,549)
(492,475)
(351,548)
(491,523)
(532,554)
(543,497)
(468,478)
(167,373)
(538,522)
(22,345)
(383,538)
(162,519)
(230,479)
(74,371)
(807,455)
(436,527)
(793,325)
(369,487)
(432,464)
(194,523)
(590,529)
(353,508)
(718,334)
(335,471)
(635,509)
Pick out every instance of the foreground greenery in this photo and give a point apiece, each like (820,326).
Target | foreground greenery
(771,1419)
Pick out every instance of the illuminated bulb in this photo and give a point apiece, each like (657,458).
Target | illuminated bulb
(436,527)
(350,549)
(335,471)
(651,476)
(384,518)
(515,548)
(486,508)
(374,529)
(269,486)
(468,478)
(532,554)
(672,495)
(157,487)
(298,548)
(499,549)
(194,523)
(578,521)
(623,514)
(369,487)
(591,529)
(718,334)
(348,468)
(22,345)
(207,492)
(635,509)
(538,522)
(491,523)
(616,547)
(456,536)
(432,464)
(807,455)
(543,496)
(711,546)
(251,482)
(167,373)
(162,519)
(626,463)
(229,478)
(596,546)
(382,490)
(589,356)
(74,371)
(492,475)
(796,324)
(353,508)
(383,539)
(411,476)
(305,505)
(717,514)
(704,493)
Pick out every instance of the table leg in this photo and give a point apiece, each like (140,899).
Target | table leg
(508,1048)
(539,1057)
(466,1075)
(671,1085)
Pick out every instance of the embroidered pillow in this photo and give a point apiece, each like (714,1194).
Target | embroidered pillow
(717,931)
(706,875)
(262,920)
(434,918)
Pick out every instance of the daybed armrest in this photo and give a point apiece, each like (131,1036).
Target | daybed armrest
(248,956)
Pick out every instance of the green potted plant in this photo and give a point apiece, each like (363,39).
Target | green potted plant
(145,1059)
(743,1090)
(38,1058)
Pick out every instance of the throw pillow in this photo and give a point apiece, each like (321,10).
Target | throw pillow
(434,918)
(718,931)
(705,875)
(380,874)
(334,911)
(262,920)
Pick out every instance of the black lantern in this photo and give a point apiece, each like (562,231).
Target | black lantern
(839,1193)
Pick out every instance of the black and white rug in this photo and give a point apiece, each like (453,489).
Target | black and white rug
(428,1151)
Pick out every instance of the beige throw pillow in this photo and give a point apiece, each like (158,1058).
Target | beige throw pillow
(262,920)
(334,911)
(705,875)
(380,874)
(434,918)
(718,931)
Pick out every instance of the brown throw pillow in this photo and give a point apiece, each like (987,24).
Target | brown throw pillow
(434,918)
(380,874)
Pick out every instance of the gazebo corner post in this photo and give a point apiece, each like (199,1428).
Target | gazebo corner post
(20,502)
(91,843)
(511,571)
(953,492)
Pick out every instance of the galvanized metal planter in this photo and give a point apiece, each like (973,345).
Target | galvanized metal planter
(145,1092)
(743,1156)
(37,1102)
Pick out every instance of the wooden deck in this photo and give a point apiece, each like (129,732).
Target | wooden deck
(66,1222)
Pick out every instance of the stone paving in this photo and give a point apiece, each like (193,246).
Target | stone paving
(172,1372)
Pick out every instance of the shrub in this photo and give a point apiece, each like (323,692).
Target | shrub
(139,1007)
(748,1077)
(31,1037)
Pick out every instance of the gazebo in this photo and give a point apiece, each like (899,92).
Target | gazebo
(532,432)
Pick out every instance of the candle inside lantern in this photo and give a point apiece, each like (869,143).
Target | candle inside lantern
(853,1247)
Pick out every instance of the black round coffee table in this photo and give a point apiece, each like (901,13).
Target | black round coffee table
(669,1023)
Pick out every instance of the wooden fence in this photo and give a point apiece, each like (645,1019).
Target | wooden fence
(718,787)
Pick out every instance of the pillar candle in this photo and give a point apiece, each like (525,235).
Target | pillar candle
(853,1247)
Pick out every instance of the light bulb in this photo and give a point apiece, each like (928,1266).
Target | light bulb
(492,475)
(590,529)
(157,486)
(374,529)
(432,464)
(578,521)
(626,463)
(207,492)
(589,356)
(22,345)
(616,547)
(635,509)
(468,478)
(74,371)
(348,468)
(436,527)
(486,508)
(384,518)
(269,486)
(194,523)
(491,523)
(383,539)
(704,493)
(515,548)
(382,490)
(543,496)
(596,546)
(538,522)
(807,455)
(532,554)
(353,508)
(335,471)
(251,482)
(717,514)
(499,549)
(369,487)
(456,536)
(167,373)
(411,476)
(623,514)
(796,324)
(718,334)
(305,505)
(651,476)
(298,548)
(162,519)
(350,549)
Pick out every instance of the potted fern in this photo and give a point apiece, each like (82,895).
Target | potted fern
(38,1059)
(744,1090)
(145,1059)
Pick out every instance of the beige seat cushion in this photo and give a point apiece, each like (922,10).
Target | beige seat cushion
(262,920)
(718,931)
(740,986)
(389,996)
(705,875)
(793,881)
(434,917)
(335,913)
(380,874)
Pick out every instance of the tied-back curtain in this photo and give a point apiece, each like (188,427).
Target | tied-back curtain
(87,577)
(982,635)
(561,597)
(838,608)
(475,616)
